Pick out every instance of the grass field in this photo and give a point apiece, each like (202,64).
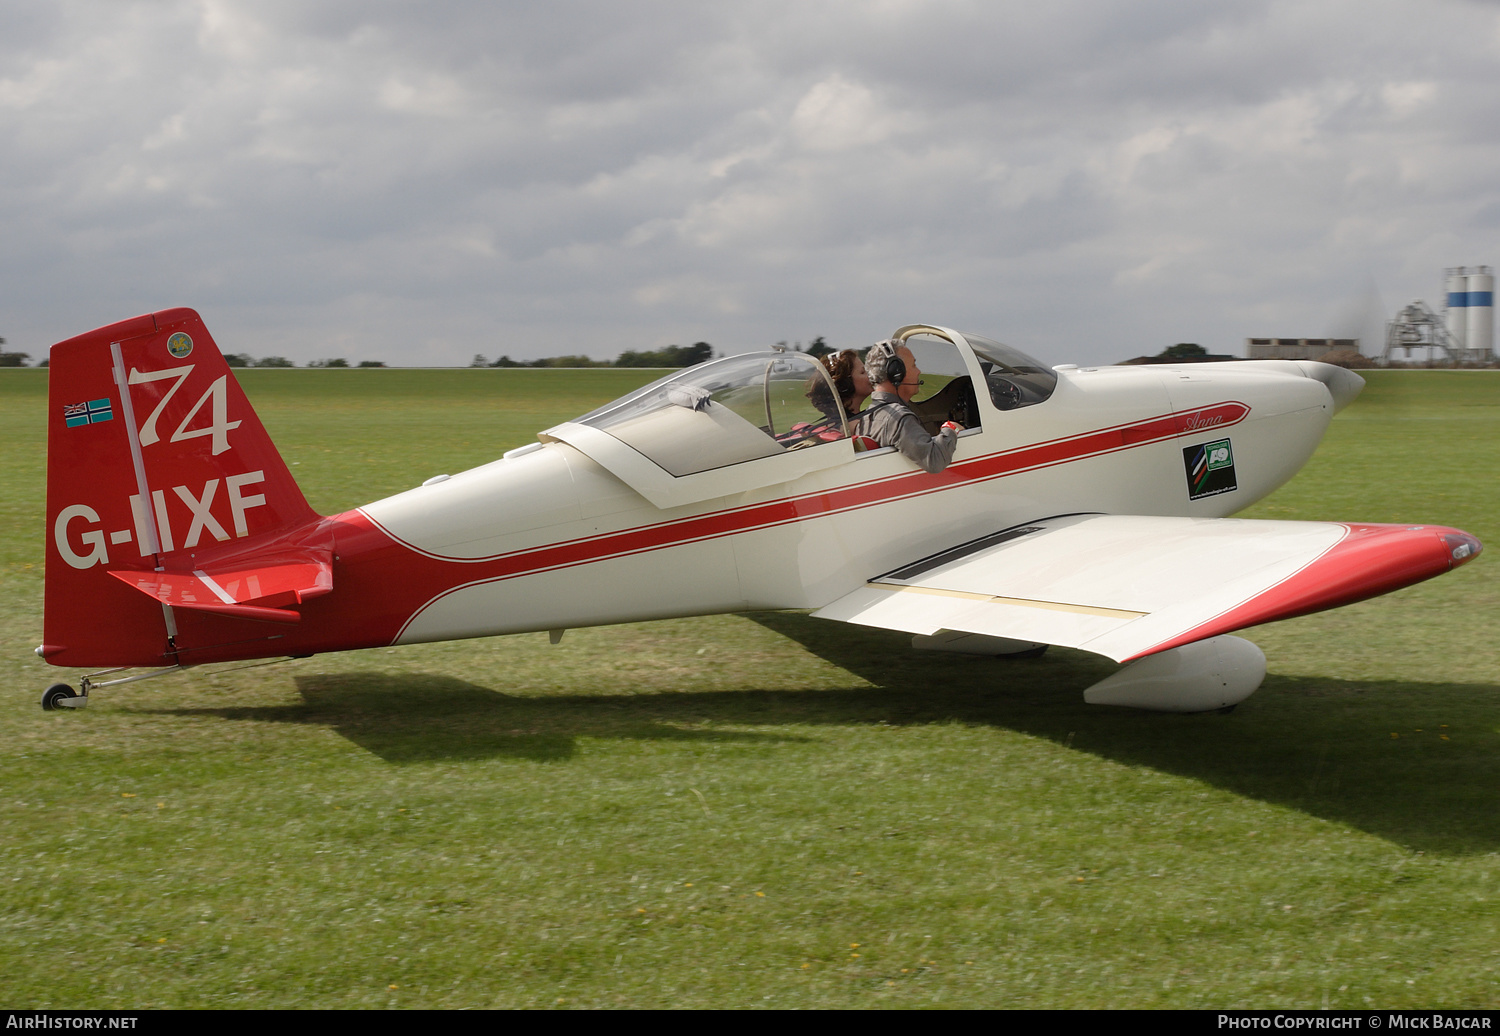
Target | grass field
(762,810)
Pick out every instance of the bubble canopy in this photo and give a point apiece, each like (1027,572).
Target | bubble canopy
(761,419)
(727,411)
(1014,379)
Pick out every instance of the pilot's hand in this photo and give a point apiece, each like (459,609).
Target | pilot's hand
(954,425)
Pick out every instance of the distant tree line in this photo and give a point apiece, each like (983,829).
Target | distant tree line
(668,356)
(1182,352)
(14,359)
(817,348)
(671,356)
(246,360)
(551,361)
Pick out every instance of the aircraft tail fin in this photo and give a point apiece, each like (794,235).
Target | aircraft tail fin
(153,455)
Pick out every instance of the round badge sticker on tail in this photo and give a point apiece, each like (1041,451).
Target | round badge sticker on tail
(179,345)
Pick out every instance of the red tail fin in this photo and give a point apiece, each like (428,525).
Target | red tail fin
(153,452)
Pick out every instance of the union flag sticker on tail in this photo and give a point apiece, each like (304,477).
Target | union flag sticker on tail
(155,459)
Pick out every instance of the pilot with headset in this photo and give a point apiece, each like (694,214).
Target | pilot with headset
(890,422)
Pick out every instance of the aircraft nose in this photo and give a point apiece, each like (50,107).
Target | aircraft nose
(1342,383)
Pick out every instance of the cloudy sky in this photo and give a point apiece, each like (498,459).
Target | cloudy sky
(1086,179)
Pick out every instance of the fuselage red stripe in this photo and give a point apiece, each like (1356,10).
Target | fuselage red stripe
(907,485)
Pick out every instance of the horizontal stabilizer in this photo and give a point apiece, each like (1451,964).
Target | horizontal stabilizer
(242,589)
(1127,586)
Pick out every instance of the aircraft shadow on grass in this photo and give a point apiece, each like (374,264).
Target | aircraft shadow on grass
(1332,757)
(417,718)
(1320,746)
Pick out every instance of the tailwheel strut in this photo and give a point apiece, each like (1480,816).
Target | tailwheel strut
(62,696)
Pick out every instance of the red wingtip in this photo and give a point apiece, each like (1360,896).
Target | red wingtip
(1462,548)
(1369,561)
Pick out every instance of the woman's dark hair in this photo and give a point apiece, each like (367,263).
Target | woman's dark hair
(840,367)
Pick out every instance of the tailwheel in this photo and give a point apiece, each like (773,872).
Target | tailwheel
(53,697)
(61,696)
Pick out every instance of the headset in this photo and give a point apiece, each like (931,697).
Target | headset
(893,366)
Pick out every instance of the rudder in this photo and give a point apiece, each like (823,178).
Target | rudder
(153,452)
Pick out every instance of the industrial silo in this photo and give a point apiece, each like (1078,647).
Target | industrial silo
(1457,311)
(1481,310)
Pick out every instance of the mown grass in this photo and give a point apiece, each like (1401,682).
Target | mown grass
(760,810)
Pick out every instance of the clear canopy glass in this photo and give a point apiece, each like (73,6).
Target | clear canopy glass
(726,412)
(1014,379)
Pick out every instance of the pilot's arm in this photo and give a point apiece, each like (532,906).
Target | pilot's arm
(930,452)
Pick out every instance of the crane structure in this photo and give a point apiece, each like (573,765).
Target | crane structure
(1464,331)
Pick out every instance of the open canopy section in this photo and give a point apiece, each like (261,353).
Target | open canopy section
(1014,379)
(726,426)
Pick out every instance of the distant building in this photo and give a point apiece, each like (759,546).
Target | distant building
(1297,348)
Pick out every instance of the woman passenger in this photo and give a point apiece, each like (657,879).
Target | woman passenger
(847,372)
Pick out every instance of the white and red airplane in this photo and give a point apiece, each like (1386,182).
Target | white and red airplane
(1084,507)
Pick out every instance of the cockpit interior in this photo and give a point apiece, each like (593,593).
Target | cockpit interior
(754,407)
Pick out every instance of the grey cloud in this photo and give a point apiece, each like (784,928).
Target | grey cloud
(1088,179)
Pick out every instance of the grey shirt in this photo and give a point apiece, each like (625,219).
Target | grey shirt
(891,422)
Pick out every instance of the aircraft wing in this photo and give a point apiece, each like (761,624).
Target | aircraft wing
(248,589)
(1126,586)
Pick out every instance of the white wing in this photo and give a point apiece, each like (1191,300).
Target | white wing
(1126,586)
